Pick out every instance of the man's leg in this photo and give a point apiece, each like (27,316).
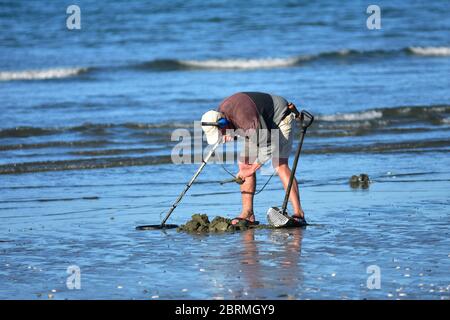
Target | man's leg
(248,192)
(284,172)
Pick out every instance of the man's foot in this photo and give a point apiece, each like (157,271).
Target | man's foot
(298,220)
(246,222)
(250,219)
(300,214)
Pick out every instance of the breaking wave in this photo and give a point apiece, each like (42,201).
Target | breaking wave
(435,114)
(430,51)
(398,120)
(272,62)
(82,164)
(241,63)
(92,128)
(245,64)
(219,64)
(364,115)
(228,63)
(108,145)
(45,74)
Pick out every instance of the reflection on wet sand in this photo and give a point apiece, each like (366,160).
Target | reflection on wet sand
(268,266)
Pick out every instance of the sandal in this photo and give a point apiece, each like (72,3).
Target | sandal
(296,221)
(247,222)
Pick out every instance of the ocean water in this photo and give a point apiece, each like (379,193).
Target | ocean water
(85,148)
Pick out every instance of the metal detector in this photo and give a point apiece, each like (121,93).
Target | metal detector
(163,224)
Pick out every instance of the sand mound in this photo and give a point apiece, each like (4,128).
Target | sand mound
(362,181)
(200,223)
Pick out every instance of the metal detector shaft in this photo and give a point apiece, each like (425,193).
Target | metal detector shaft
(237,180)
(204,161)
(310,118)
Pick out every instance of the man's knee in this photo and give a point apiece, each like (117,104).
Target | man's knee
(280,163)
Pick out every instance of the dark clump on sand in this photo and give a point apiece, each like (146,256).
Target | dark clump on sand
(200,223)
(362,181)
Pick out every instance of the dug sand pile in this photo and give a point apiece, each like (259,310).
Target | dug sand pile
(200,223)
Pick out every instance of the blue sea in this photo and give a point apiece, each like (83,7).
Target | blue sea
(87,117)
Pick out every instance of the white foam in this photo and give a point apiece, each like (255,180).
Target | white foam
(446,120)
(344,52)
(357,116)
(40,74)
(431,51)
(241,63)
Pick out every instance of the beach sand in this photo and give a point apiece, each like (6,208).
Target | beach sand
(91,117)
(400,224)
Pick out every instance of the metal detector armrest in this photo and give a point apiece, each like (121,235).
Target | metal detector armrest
(301,116)
(306,119)
(293,109)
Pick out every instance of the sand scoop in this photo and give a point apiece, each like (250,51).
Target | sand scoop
(163,224)
(279,217)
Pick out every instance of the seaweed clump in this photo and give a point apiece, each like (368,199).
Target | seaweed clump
(200,223)
(362,181)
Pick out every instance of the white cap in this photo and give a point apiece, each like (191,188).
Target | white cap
(211,132)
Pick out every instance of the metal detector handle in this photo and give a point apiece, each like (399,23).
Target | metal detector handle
(210,124)
(306,119)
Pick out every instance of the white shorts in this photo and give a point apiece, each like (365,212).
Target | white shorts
(278,149)
(286,137)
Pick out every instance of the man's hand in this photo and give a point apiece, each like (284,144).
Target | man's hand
(227,138)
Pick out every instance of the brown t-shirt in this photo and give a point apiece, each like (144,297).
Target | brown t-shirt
(246,110)
(255,113)
(241,110)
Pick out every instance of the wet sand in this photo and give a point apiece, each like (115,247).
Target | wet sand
(400,224)
(86,143)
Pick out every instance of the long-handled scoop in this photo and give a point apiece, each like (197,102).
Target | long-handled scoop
(163,224)
(279,217)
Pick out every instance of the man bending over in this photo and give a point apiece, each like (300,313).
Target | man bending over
(255,115)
